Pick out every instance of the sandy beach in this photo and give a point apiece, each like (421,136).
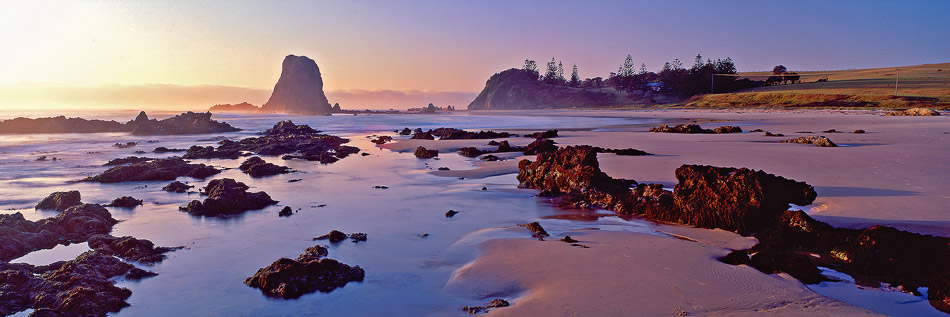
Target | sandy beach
(891,175)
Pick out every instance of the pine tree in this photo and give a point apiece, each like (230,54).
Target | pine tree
(698,62)
(531,66)
(627,69)
(575,78)
(551,74)
(560,73)
(643,68)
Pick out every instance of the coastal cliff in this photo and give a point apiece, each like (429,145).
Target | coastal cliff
(520,89)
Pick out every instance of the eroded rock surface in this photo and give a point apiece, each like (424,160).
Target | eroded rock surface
(227,197)
(167,169)
(816,140)
(19,236)
(257,167)
(60,201)
(694,128)
(424,153)
(287,139)
(125,202)
(310,272)
(177,187)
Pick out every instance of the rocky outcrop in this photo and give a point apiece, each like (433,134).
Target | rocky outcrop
(521,89)
(915,112)
(162,149)
(458,134)
(470,152)
(287,139)
(540,146)
(185,123)
(84,286)
(495,303)
(257,167)
(753,203)
(310,272)
(625,152)
(19,236)
(536,230)
(227,197)
(241,107)
(335,236)
(125,202)
(60,124)
(60,201)
(177,187)
(424,153)
(693,128)
(542,135)
(167,169)
(209,152)
(299,89)
(816,140)
(127,160)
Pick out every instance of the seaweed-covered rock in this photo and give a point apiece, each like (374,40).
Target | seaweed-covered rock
(60,201)
(227,197)
(816,140)
(19,236)
(257,167)
(310,272)
(125,202)
(167,169)
(423,153)
(177,187)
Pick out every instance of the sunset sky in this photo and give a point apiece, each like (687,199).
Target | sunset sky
(443,48)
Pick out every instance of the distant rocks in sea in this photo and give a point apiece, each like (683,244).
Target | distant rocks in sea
(299,90)
(241,107)
(185,123)
(694,128)
(915,112)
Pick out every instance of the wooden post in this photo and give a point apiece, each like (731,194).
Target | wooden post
(897,81)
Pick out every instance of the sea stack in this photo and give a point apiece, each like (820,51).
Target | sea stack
(299,89)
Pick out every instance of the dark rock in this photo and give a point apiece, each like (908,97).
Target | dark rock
(728,129)
(60,124)
(536,229)
(423,153)
(816,140)
(334,236)
(381,187)
(757,130)
(470,152)
(60,201)
(129,248)
(451,213)
(257,167)
(680,128)
(177,187)
(185,123)
(227,197)
(859,131)
(167,169)
(358,237)
(504,146)
(540,146)
(489,158)
(209,152)
(127,160)
(457,134)
(444,168)
(124,145)
(568,239)
(493,142)
(626,152)
(382,139)
(773,134)
(831,131)
(125,202)
(405,131)
(736,257)
(162,149)
(498,302)
(417,130)
(285,212)
(310,272)
(542,135)
(423,136)
(296,141)
(41,158)
(299,89)
(19,236)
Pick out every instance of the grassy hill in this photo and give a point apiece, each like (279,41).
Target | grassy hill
(919,86)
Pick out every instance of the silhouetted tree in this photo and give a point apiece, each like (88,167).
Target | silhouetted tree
(550,75)
(575,78)
(560,74)
(627,69)
(531,66)
(643,68)
(778,70)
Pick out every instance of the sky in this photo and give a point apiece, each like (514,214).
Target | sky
(100,53)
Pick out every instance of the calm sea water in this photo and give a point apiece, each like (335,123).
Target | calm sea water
(406,273)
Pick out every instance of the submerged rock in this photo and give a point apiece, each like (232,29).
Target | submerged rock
(257,167)
(816,140)
(125,202)
(167,169)
(60,201)
(177,187)
(310,272)
(227,197)
(423,153)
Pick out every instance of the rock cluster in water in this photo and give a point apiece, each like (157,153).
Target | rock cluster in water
(693,128)
(19,236)
(753,203)
(185,123)
(257,167)
(310,272)
(167,169)
(285,138)
(227,197)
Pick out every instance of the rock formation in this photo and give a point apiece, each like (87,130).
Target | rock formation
(310,272)
(521,89)
(177,187)
(167,169)
(816,140)
(125,202)
(299,89)
(424,153)
(185,123)
(693,128)
(19,236)
(227,197)
(915,112)
(285,138)
(257,167)
(60,201)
